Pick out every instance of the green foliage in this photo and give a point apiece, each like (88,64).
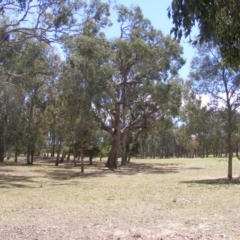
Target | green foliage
(123,85)
(210,75)
(47,21)
(217,20)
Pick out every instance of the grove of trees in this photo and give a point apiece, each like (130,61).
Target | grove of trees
(67,91)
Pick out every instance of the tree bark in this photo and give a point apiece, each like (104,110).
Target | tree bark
(116,140)
(123,162)
(113,155)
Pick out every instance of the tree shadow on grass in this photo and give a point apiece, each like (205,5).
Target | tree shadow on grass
(16,181)
(194,168)
(62,174)
(136,168)
(67,171)
(148,168)
(216,181)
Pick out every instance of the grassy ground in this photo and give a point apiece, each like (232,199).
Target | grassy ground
(147,199)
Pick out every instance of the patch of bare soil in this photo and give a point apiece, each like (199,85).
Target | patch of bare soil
(158,199)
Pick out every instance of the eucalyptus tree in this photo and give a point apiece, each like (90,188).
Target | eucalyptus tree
(182,139)
(124,77)
(33,70)
(203,124)
(158,139)
(84,82)
(42,21)
(218,130)
(49,21)
(217,20)
(78,127)
(9,94)
(199,127)
(143,59)
(210,75)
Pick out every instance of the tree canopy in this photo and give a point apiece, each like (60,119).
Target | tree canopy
(130,75)
(217,21)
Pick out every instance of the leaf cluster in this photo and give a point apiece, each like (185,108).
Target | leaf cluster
(217,21)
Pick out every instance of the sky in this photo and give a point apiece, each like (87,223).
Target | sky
(156,12)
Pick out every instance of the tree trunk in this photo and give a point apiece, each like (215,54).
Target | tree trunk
(63,156)
(74,160)
(113,155)
(28,154)
(58,154)
(123,162)
(230,155)
(81,156)
(116,140)
(74,154)
(68,155)
(53,150)
(128,158)
(53,138)
(16,154)
(90,160)
(29,143)
(32,155)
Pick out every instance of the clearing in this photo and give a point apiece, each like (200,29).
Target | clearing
(146,199)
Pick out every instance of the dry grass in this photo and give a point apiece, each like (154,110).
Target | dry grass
(147,199)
